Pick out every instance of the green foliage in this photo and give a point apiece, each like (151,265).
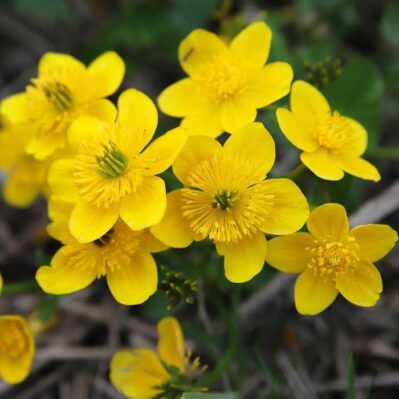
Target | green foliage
(46,9)
(390,23)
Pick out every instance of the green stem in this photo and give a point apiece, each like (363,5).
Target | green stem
(301,168)
(20,288)
(389,153)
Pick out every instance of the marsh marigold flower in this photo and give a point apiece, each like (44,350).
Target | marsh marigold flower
(331,143)
(225,84)
(121,255)
(226,199)
(17,349)
(143,374)
(110,175)
(64,90)
(332,259)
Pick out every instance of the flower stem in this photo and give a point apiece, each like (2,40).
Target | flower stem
(298,171)
(20,288)
(389,153)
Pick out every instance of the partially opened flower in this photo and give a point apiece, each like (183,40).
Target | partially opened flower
(110,176)
(17,349)
(332,259)
(331,143)
(143,374)
(64,90)
(121,255)
(226,84)
(227,199)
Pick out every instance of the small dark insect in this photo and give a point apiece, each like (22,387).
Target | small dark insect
(188,54)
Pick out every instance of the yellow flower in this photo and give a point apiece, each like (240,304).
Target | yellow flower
(331,143)
(64,90)
(332,259)
(226,84)
(142,374)
(226,199)
(1,283)
(111,175)
(17,349)
(121,255)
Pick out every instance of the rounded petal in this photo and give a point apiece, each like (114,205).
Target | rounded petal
(236,112)
(357,144)
(374,240)
(295,131)
(53,61)
(63,277)
(82,129)
(171,343)
(288,209)
(107,72)
(243,259)
(199,47)
(204,121)
(197,149)
(61,182)
(329,221)
(137,372)
(180,98)
(89,222)
(103,110)
(20,194)
(134,282)
(361,286)
(59,213)
(13,108)
(253,143)
(269,85)
(173,230)
(162,152)
(149,243)
(289,253)
(146,206)
(252,45)
(313,294)
(323,164)
(358,167)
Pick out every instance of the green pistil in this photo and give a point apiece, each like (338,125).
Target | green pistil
(113,163)
(59,95)
(224,199)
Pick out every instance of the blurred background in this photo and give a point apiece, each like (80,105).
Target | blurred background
(349,49)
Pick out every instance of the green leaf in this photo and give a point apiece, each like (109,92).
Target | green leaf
(390,23)
(351,394)
(210,395)
(357,94)
(46,9)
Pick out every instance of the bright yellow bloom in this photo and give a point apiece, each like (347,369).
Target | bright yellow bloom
(331,143)
(332,259)
(121,255)
(226,84)
(142,374)
(111,175)
(226,199)
(64,90)
(17,349)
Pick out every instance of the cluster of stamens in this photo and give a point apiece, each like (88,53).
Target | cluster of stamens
(112,163)
(224,199)
(56,93)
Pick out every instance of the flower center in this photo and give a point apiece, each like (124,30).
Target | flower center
(112,163)
(12,339)
(56,93)
(104,240)
(330,258)
(334,132)
(224,199)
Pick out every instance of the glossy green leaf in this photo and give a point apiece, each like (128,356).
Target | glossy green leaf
(390,23)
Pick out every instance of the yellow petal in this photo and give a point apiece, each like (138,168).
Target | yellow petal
(102,109)
(173,229)
(199,47)
(361,286)
(82,129)
(59,213)
(134,282)
(296,131)
(204,121)
(146,206)
(374,240)
(313,294)
(197,149)
(308,104)
(89,222)
(244,259)
(269,85)
(358,138)
(329,221)
(45,143)
(162,152)
(323,164)
(171,343)
(288,208)
(63,276)
(236,112)
(13,108)
(1,283)
(180,98)
(252,45)
(20,194)
(107,72)
(53,61)
(136,373)
(358,167)
(136,109)
(255,146)
(289,253)
(149,243)
(60,179)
